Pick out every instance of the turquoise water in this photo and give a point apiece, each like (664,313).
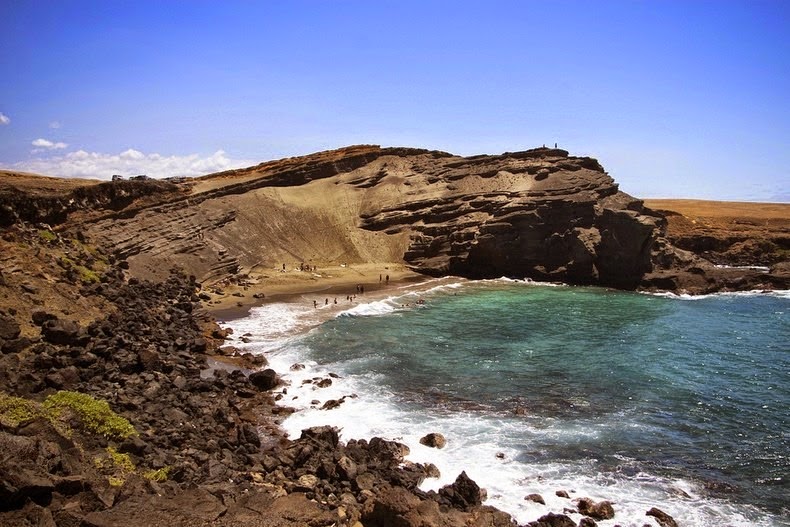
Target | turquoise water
(645,400)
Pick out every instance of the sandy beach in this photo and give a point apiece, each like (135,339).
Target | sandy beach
(229,301)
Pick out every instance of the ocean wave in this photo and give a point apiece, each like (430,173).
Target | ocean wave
(777,293)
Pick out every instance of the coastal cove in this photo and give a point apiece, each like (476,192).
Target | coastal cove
(644,400)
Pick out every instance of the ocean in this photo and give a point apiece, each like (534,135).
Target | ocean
(680,403)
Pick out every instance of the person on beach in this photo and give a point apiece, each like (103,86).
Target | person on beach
(387,279)
(315,304)
(335,300)
(379,278)
(326,302)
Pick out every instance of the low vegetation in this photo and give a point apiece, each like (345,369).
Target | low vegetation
(94,416)
(16,410)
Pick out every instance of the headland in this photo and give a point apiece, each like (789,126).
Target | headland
(107,290)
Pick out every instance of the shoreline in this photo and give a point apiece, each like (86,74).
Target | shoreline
(236,300)
(376,295)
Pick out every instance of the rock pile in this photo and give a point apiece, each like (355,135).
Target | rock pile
(194,432)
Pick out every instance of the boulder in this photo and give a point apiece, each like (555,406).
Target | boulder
(39,316)
(9,328)
(553,520)
(536,498)
(463,493)
(327,435)
(663,519)
(602,510)
(433,440)
(65,332)
(264,380)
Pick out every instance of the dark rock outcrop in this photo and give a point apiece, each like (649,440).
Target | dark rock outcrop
(663,519)
(433,440)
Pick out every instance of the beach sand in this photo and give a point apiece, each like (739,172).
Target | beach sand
(234,300)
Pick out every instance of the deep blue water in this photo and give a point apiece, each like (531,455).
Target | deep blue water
(690,390)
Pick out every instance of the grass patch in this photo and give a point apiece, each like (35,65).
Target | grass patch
(85,274)
(16,410)
(47,235)
(95,416)
(157,475)
(119,460)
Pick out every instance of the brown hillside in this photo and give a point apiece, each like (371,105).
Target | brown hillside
(728,232)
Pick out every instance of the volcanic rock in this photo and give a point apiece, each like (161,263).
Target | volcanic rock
(601,510)
(663,519)
(433,440)
(264,380)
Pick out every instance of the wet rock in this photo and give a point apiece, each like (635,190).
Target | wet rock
(433,440)
(537,498)
(324,383)
(432,471)
(553,520)
(463,493)
(587,522)
(562,494)
(264,380)
(331,404)
(602,510)
(663,519)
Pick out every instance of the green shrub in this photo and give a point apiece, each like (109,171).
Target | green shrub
(15,410)
(119,460)
(94,415)
(157,475)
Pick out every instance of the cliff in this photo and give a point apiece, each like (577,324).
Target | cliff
(540,214)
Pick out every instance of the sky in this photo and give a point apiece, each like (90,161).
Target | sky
(675,98)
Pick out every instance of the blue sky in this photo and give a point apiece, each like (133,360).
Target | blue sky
(676,99)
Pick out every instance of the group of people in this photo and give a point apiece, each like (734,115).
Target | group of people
(303,267)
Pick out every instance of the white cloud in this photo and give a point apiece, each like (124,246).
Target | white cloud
(4,119)
(43,145)
(55,125)
(82,164)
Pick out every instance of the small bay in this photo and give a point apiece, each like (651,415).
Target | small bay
(644,400)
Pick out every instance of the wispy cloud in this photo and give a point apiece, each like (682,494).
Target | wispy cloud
(43,145)
(55,125)
(4,119)
(82,164)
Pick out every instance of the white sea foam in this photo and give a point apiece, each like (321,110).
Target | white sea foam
(488,448)
(778,293)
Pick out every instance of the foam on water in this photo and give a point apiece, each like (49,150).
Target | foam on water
(495,450)
(778,293)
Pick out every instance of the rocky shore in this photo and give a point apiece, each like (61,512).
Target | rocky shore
(120,403)
(123,421)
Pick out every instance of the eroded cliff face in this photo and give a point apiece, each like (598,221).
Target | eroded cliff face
(539,214)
